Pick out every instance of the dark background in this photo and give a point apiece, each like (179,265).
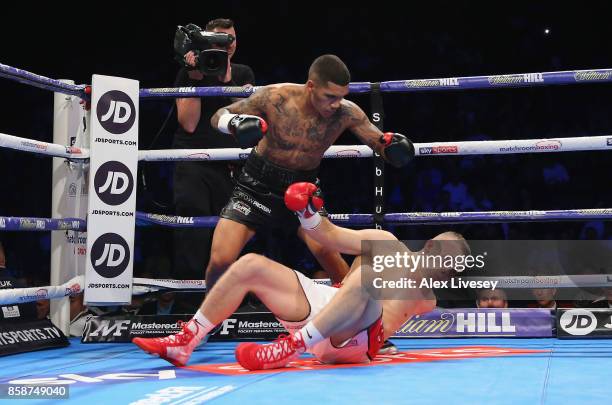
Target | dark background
(379,42)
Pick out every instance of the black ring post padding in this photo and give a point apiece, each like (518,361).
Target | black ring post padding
(377,114)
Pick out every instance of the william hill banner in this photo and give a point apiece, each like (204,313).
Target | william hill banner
(479,323)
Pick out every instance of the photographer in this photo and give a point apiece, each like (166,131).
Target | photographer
(202,188)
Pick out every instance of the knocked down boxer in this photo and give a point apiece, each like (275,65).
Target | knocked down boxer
(336,325)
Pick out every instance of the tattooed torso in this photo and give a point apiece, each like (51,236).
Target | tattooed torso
(297,140)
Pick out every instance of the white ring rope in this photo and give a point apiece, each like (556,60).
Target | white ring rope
(573,144)
(517,146)
(520,146)
(145,285)
(529,282)
(42,148)
(20,295)
(148,285)
(336,151)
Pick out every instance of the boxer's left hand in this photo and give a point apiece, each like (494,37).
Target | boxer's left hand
(399,150)
(305,200)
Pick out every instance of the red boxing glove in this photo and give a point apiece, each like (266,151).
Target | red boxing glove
(305,200)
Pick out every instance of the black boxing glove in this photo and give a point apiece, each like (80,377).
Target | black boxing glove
(399,150)
(248,129)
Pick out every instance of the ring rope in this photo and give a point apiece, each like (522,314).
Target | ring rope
(503,147)
(32,79)
(401,218)
(568,281)
(42,224)
(409,218)
(143,286)
(414,85)
(146,285)
(42,148)
(20,295)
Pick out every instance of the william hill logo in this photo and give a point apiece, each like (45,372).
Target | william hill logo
(458,323)
(424,83)
(591,75)
(490,322)
(418,326)
(509,80)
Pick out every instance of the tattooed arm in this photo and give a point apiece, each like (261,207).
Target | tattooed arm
(395,148)
(360,125)
(256,104)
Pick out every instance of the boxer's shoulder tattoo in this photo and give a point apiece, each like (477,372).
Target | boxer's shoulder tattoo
(279,103)
(359,123)
(354,115)
(257,102)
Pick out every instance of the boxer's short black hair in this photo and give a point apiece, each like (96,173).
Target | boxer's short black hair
(329,68)
(224,23)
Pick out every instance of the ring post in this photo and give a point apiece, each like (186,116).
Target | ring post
(67,183)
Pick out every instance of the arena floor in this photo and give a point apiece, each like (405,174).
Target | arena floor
(429,371)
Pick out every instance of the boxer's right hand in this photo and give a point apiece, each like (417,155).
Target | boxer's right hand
(305,200)
(248,129)
(399,150)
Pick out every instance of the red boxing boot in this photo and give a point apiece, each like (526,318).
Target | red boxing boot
(175,349)
(278,354)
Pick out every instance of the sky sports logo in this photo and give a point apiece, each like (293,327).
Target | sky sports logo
(609,141)
(436,150)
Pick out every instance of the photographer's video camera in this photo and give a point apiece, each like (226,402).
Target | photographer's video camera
(209,48)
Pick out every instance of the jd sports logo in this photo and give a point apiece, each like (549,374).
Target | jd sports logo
(116,112)
(578,322)
(113,183)
(110,255)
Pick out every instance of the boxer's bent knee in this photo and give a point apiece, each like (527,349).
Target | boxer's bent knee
(355,287)
(249,266)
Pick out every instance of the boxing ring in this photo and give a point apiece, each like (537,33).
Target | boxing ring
(466,370)
(433,371)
